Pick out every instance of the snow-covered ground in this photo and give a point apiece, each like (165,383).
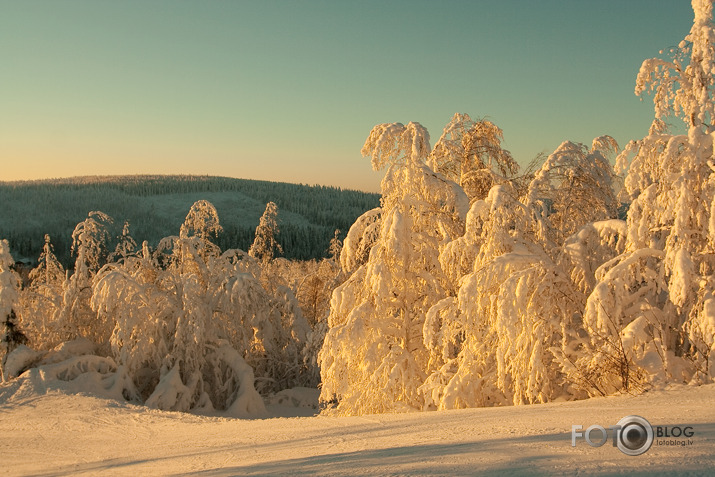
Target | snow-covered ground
(61,434)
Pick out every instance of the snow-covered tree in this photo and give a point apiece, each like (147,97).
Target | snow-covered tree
(311,283)
(360,239)
(89,243)
(574,186)
(264,245)
(10,334)
(336,246)
(373,358)
(195,329)
(49,270)
(469,153)
(42,300)
(125,247)
(652,305)
(172,335)
(129,294)
(489,344)
(76,317)
(505,334)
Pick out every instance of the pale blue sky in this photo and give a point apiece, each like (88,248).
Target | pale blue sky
(289,90)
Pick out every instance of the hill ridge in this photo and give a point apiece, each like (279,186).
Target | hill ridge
(155,206)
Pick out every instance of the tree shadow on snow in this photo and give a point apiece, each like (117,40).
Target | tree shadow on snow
(520,455)
(417,459)
(546,454)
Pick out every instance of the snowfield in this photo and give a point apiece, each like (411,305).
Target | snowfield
(63,434)
(469,286)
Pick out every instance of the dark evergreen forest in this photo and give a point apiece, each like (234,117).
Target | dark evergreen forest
(155,206)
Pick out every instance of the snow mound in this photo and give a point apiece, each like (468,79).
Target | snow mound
(69,349)
(21,359)
(298,401)
(86,374)
(70,368)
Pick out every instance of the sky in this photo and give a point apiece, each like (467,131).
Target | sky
(289,90)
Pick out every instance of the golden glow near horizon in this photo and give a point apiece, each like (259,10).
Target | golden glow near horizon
(288,91)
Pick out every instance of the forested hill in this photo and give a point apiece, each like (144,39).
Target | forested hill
(156,206)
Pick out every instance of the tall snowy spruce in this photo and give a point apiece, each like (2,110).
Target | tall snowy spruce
(42,299)
(265,246)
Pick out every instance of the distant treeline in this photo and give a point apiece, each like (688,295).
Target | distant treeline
(155,207)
